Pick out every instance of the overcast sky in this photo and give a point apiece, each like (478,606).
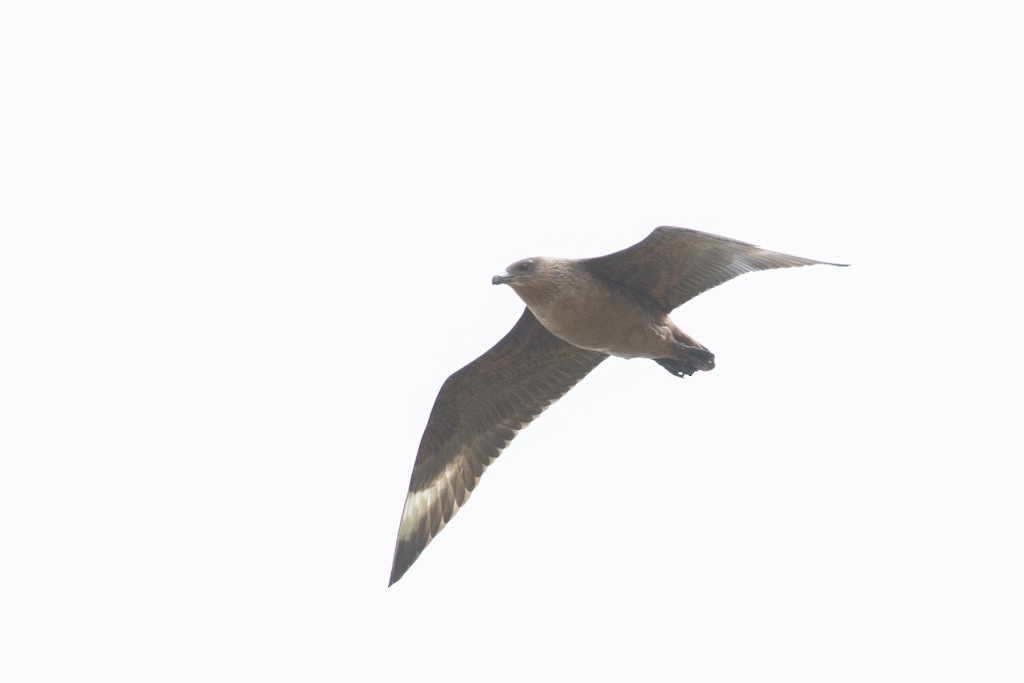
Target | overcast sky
(244,244)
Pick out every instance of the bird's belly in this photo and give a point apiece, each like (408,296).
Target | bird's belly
(628,334)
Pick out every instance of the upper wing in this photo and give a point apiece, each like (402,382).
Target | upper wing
(673,265)
(477,413)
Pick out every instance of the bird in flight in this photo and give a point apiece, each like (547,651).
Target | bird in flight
(578,312)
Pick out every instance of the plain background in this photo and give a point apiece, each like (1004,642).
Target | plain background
(243,245)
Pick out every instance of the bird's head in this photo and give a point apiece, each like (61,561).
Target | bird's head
(517,274)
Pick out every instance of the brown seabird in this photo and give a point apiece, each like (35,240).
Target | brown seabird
(578,312)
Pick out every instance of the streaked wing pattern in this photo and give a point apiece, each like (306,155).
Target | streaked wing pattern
(673,265)
(477,413)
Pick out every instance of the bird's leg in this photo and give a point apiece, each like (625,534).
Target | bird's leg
(698,355)
(688,355)
(688,360)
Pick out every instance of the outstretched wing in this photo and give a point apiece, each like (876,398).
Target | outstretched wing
(477,413)
(673,265)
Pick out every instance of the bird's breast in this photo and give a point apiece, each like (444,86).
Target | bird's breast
(604,321)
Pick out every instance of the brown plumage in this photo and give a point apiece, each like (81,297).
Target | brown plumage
(579,311)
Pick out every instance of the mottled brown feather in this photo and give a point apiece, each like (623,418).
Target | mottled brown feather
(673,265)
(477,412)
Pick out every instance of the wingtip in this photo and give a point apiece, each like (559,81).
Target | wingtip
(396,574)
(814,262)
(401,564)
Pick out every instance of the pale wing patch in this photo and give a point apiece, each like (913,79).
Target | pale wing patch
(425,508)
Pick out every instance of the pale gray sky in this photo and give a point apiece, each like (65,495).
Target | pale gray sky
(243,245)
